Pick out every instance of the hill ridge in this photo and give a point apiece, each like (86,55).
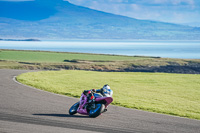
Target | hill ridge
(62,20)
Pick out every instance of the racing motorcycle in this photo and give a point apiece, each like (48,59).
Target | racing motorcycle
(92,104)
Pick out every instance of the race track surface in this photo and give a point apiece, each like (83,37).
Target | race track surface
(24,109)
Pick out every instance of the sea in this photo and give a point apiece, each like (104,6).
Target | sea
(165,49)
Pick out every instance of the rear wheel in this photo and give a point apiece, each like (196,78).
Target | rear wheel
(73,109)
(97,111)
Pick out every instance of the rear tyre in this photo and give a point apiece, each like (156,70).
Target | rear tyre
(73,109)
(97,111)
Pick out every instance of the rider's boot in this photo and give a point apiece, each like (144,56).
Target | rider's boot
(104,110)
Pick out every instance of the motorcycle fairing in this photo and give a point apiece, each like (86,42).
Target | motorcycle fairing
(83,101)
(107,99)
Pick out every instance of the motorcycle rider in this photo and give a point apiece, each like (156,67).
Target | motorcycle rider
(105,91)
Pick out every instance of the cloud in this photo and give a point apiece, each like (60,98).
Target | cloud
(173,2)
(159,2)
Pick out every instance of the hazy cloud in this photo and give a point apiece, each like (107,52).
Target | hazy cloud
(174,2)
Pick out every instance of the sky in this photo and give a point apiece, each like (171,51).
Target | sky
(173,11)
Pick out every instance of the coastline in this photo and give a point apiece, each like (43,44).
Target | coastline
(29,39)
(169,49)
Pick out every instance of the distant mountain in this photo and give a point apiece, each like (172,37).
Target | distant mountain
(58,19)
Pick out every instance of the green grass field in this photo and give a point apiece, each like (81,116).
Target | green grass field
(57,57)
(174,94)
(44,60)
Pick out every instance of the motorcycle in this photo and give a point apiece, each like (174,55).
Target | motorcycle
(84,106)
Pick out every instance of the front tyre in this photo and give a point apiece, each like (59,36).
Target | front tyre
(73,109)
(97,111)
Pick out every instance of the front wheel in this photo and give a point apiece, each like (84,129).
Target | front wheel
(73,109)
(97,111)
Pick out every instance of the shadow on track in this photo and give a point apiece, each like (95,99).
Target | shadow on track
(63,115)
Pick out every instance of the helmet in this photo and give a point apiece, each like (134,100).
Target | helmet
(107,87)
(107,91)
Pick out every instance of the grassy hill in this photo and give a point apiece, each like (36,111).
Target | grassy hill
(59,19)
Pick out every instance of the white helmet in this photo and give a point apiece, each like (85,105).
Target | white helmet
(107,91)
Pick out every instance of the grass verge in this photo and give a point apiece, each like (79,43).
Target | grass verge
(174,94)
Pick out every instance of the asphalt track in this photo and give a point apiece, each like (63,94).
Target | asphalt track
(24,109)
